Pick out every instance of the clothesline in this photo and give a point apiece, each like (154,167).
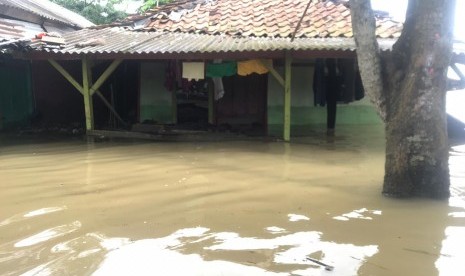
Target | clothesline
(198,70)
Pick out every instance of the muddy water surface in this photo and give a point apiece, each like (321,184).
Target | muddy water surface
(68,207)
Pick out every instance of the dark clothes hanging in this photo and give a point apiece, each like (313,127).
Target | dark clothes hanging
(351,86)
(336,80)
(333,89)
(359,91)
(346,80)
(347,72)
(319,83)
(170,75)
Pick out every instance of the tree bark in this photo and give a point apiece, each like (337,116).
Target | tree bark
(411,86)
(364,29)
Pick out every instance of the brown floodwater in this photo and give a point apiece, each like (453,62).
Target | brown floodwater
(245,207)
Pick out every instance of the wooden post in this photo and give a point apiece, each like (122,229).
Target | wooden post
(458,72)
(287,97)
(110,69)
(112,109)
(93,89)
(273,72)
(86,84)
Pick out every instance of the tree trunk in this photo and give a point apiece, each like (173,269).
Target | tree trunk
(412,98)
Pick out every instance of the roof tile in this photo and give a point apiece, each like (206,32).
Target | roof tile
(273,18)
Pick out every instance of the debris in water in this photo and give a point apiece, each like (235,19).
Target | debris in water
(327,267)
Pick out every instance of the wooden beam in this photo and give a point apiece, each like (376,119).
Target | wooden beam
(88,103)
(458,72)
(459,58)
(124,134)
(112,109)
(287,97)
(67,76)
(105,75)
(273,72)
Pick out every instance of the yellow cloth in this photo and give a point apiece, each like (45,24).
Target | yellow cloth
(245,68)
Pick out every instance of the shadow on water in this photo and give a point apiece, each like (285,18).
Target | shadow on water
(69,207)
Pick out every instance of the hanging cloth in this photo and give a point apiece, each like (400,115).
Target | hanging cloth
(319,82)
(359,91)
(218,87)
(170,75)
(351,85)
(245,68)
(344,82)
(218,70)
(193,70)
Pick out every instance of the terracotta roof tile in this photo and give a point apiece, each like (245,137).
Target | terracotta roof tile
(271,18)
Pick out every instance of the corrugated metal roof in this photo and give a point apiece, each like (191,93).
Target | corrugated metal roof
(48,10)
(120,41)
(13,32)
(15,29)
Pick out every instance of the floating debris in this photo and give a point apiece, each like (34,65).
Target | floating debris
(326,266)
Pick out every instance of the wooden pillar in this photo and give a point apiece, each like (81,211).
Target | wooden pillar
(86,85)
(287,97)
(110,69)
(91,88)
(65,74)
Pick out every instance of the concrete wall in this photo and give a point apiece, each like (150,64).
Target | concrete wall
(155,99)
(303,111)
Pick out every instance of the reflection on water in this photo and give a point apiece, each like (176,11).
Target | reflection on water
(452,250)
(26,215)
(220,208)
(163,254)
(49,234)
(359,214)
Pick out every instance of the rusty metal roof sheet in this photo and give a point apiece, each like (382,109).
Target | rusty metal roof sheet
(252,18)
(15,29)
(13,32)
(121,41)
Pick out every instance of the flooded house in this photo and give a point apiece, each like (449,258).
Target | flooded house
(254,67)
(22,22)
(71,206)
